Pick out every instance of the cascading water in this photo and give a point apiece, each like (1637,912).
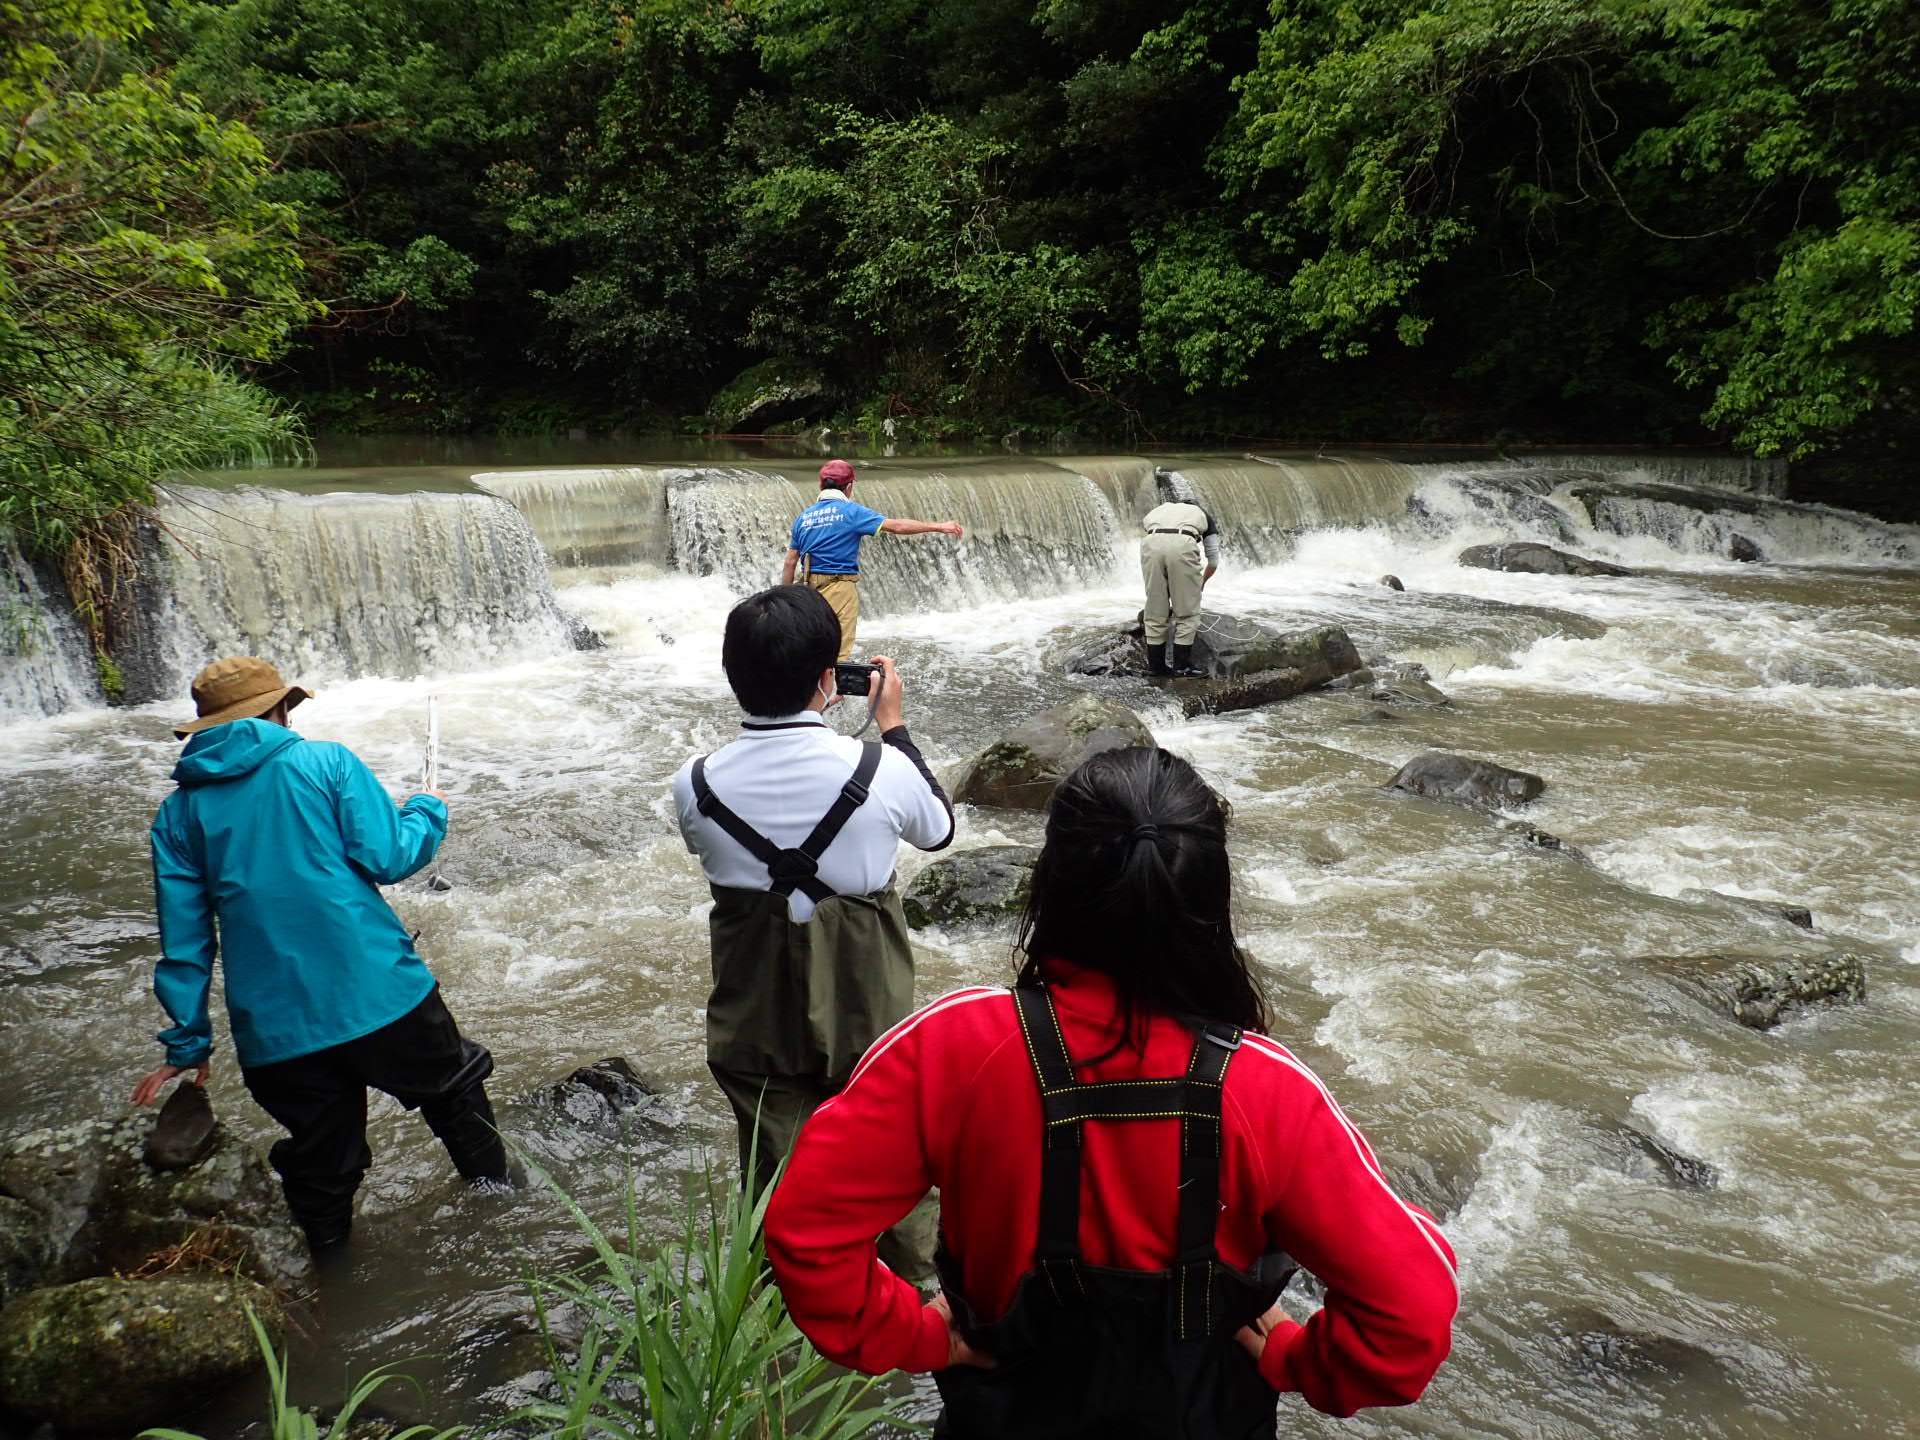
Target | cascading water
(336,586)
(46,664)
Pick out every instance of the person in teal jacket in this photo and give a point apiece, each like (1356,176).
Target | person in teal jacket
(270,854)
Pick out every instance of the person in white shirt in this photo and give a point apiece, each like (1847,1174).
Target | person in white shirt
(796,828)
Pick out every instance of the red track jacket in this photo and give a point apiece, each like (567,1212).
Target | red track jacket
(948,1098)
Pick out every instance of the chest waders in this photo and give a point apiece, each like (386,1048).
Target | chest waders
(1091,1351)
(796,1004)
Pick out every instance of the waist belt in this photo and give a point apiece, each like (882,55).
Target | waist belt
(794,869)
(1177,530)
(833,575)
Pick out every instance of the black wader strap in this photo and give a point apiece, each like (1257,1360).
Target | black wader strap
(1200,1155)
(795,869)
(1193,1099)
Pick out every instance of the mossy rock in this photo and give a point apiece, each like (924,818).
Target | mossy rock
(972,887)
(1020,770)
(770,393)
(113,1354)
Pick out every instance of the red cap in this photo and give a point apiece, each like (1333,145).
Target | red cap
(837,473)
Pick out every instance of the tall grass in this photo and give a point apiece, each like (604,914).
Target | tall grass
(692,1342)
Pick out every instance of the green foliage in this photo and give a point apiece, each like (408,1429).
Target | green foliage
(139,261)
(286,1421)
(1590,219)
(692,1343)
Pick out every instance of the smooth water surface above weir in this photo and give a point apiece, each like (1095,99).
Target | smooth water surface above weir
(1668,1224)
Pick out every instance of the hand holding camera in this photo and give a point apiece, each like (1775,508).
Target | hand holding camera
(880,682)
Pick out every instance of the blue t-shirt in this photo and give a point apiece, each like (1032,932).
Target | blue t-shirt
(829,531)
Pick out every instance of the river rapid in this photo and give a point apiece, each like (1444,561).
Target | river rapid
(1707,728)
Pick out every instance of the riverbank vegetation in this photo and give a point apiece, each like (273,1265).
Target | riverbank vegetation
(1652,221)
(688,1341)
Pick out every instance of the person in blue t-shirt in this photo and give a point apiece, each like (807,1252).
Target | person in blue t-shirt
(828,534)
(270,855)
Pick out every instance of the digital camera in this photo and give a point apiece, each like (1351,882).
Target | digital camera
(853,677)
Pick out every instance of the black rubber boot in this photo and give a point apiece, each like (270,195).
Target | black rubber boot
(1183,661)
(1157,660)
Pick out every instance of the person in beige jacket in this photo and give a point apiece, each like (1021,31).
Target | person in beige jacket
(1179,553)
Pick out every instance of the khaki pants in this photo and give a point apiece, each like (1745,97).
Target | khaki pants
(843,594)
(1172,568)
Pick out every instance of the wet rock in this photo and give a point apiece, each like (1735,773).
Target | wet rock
(1796,915)
(1480,783)
(112,1354)
(185,1132)
(597,1094)
(1538,839)
(1439,1187)
(1740,548)
(101,1207)
(1245,692)
(25,1252)
(439,883)
(1019,771)
(1671,1165)
(581,635)
(1758,990)
(1406,686)
(1227,647)
(987,884)
(1392,582)
(1527,557)
(1599,1342)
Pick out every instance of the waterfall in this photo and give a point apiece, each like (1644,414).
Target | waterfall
(336,586)
(46,664)
(588,519)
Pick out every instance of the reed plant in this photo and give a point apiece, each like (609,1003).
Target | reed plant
(287,1421)
(691,1341)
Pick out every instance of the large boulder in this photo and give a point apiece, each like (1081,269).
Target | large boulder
(1227,647)
(770,393)
(1527,557)
(99,1206)
(987,884)
(1758,990)
(1480,783)
(1019,770)
(113,1354)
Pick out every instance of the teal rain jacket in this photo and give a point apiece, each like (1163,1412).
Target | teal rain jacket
(281,843)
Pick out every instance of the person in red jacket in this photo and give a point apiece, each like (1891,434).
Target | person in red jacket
(1125,1163)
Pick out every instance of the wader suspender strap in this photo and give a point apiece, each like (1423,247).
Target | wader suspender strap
(795,869)
(1193,1099)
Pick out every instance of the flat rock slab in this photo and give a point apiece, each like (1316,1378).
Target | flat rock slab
(971,887)
(1227,647)
(1247,692)
(1527,557)
(1438,775)
(1020,770)
(1758,990)
(113,1354)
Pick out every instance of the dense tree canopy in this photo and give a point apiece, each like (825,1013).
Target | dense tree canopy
(1559,219)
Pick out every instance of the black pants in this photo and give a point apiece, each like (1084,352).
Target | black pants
(422,1061)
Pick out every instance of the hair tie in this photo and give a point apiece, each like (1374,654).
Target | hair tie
(1145,832)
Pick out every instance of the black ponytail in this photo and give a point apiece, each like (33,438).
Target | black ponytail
(1134,882)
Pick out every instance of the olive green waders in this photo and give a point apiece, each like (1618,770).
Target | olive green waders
(795,1004)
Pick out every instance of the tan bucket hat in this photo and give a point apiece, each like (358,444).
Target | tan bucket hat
(241,687)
